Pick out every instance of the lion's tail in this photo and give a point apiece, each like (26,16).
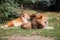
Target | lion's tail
(48,27)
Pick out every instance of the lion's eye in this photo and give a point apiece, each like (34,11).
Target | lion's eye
(45,22)
(40,17)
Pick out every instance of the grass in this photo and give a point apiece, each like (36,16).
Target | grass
(54,21)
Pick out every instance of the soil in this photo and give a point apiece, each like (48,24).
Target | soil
(34,37)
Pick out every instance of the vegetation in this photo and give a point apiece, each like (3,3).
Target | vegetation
(6,9)
(7,12)
(53,21)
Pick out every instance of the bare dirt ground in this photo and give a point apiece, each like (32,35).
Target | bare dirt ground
(30,38)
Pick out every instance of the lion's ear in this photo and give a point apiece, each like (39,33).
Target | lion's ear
(40,17)
(32,16)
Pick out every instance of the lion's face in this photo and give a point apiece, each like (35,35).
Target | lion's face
(42,20)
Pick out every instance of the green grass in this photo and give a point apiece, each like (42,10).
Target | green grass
(53,21)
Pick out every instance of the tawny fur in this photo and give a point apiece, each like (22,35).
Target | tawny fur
(40,21)
(26,25)
(17,22)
